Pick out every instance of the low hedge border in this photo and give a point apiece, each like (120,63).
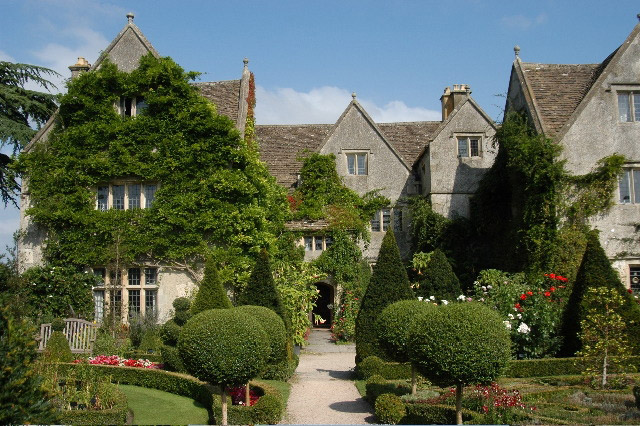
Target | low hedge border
(373,365)
(425,414)
(268,409)
(116,415)
(551,367)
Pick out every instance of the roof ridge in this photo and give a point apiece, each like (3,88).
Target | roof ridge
(294,125)
(544,63)
(411,122)
(215,82)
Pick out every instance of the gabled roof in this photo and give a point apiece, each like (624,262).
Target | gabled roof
(224,94)
(281,145)
(128,47)
(409,138)
(554,91)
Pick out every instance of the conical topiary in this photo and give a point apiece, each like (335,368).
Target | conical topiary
(57,349)
(261,289)
(438,279)
(389,283)
(211,294)
(596,271)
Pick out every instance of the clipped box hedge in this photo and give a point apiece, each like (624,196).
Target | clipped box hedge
(551,367)
(373,365)
(269,408)
(116,415)
(426,414)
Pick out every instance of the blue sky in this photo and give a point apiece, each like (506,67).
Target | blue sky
(308,56)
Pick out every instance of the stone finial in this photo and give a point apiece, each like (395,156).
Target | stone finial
(353,95)
(130,17)
(516,50)
(245,61)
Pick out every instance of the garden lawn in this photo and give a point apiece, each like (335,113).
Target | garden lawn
(151,406)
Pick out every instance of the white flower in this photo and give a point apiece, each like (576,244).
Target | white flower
(511,316)
(489,287)
(461,297)
(445,302)
(420,298)
(523,328)
(484,288)
(432,298)
(507,324)
(519,316)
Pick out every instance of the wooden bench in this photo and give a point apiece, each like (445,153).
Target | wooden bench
(80,334)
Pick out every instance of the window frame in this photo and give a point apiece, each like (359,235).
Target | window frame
(143,192)
(631,188)
(386,218)
(467,140)
(632,96)
(136,105)
(356,155)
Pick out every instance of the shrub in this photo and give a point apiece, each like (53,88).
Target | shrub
(274,328)
(58,324)
(389,409)
(596,271)
(261,289)
(169,333)
(426,414)
(22,399)
(389,283)
(58,348)
(459,344)
(377,385)
(438,279)
(282,370)
(105,344)
(150,341)
(181,307)
(171,359)
(389,370)
(636,395)
(211,294)
(115,415)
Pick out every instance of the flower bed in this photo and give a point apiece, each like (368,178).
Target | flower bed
(118,361)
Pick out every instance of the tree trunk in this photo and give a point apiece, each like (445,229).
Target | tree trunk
(604,368)
(247,396)
(224,405)
(459,404)
(414,384)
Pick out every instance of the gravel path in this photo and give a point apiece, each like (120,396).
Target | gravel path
(322,391)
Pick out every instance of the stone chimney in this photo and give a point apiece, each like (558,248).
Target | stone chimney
(452,98)
(81,66)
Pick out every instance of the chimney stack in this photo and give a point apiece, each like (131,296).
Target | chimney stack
(452,98)
(81,66)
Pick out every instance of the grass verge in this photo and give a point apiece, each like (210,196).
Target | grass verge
(151,406)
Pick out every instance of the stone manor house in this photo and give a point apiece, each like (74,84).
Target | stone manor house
(441,160)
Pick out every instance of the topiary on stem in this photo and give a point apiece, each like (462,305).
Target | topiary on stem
(459,344)
(389,283)
(232,355)
(211,294)
(393,327)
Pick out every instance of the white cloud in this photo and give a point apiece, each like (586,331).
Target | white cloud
(324,105)
(523,22)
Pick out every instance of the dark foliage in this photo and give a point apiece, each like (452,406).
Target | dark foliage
(389,283)
(261,289)
(273,327)
(211,294)
(58,349)
(438,279)
(596,271)
(394,325)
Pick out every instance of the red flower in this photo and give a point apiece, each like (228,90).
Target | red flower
(552,288)
(517,306)
(562,279)
(523,297)
(530,293)
(547,293)
(629,291)
(552,276)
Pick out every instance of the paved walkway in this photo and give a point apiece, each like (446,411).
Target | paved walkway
(322,391)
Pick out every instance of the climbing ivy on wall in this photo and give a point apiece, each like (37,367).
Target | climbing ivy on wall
(322,195)
(250,124)
(212,188)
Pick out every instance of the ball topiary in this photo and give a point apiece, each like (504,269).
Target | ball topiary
(273,326)
(371,365)
(169,333)
(181,317)
(459,344)
(390,409)
(57,349)
(233,353)
(58,324)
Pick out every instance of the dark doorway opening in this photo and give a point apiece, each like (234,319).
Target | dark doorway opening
(323,311)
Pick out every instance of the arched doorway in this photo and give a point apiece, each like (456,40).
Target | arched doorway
(323,311)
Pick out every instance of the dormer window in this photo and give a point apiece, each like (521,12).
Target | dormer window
(629,106)
(131,106)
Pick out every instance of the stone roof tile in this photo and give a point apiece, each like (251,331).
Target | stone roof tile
(281,145)
(558,89)
(224,94)
(409,138)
